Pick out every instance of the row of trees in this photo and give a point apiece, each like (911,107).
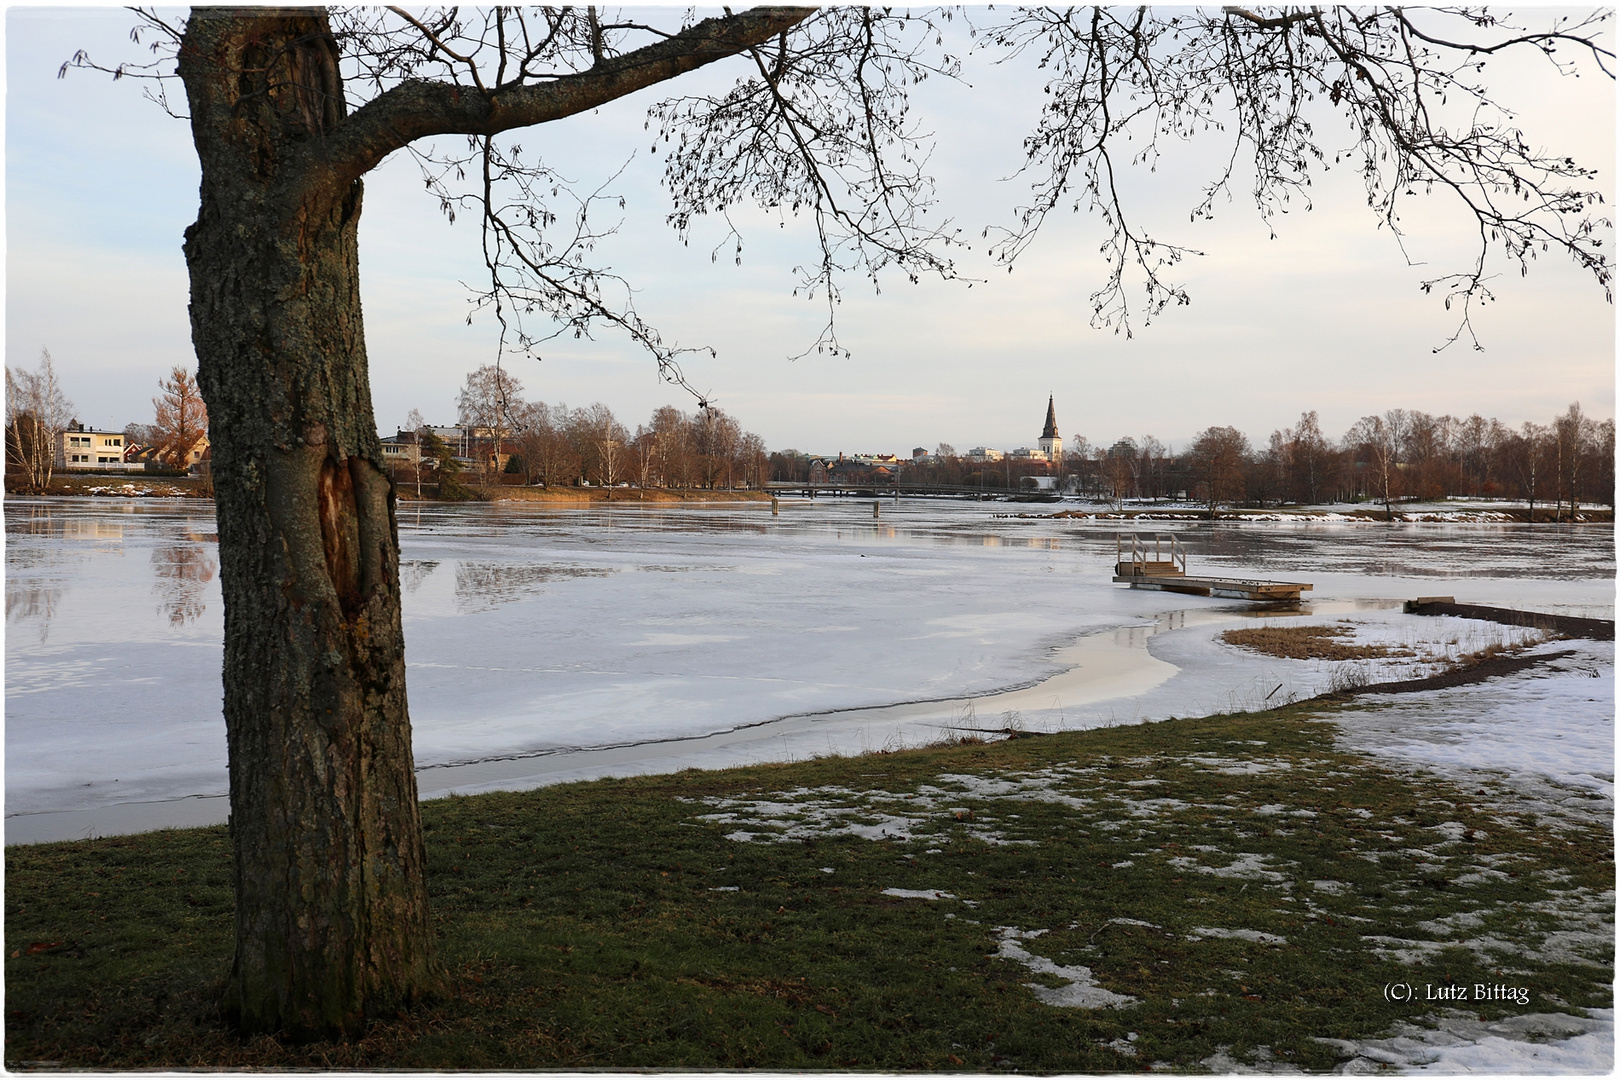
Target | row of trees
(553,444)
(1398,455)
(1408,454)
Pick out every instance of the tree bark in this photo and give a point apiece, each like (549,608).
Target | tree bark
(332,919)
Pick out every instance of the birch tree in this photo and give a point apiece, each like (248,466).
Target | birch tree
(488,405)
(37,413)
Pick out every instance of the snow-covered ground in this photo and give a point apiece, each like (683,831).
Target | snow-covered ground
(548,644)
(1530,1044)
(1546,733)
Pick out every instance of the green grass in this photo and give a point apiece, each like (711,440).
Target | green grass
(614,924)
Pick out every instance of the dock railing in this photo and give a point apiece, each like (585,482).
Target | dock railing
(1147,556)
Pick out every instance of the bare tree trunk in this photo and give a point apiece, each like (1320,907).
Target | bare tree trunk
(331,904)
(1383,473)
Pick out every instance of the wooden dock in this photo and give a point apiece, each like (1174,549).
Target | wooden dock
(1161,564)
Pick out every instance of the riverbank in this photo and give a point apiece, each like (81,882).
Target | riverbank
(193,487)
(1101,679)
(140,486)
(121,486)
(585,496)
(1175,897)
(1427,513)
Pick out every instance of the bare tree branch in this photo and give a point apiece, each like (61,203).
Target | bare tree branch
(1408,82)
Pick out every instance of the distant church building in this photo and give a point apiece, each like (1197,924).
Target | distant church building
(1051,443)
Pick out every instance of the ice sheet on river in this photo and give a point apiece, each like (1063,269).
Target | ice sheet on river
(660,638)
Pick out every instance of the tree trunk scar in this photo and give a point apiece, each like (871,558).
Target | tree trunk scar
(340,533)
(351,202)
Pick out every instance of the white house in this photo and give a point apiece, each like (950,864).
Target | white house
(86,448)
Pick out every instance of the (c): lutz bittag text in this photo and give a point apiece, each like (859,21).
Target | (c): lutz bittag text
(1457,992)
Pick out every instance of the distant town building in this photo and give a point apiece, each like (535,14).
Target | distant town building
(402,448)
(1051,443)
(984,453)
(471,445)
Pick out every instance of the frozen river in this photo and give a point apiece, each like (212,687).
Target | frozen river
(547,644)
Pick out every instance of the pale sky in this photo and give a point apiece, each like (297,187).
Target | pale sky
(1328,316)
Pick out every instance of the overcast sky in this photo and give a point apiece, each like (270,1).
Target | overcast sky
(1328,316)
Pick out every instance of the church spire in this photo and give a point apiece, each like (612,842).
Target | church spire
(1050,431)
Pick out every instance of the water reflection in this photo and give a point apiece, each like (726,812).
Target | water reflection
(412,572)
(183,571)
(93,529)
(30,600)
(481,586)
(34,570)
(30,519)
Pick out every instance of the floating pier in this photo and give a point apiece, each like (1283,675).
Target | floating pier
(1161,563)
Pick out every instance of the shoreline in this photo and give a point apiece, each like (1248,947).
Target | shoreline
(1111,664)
(1117,668)
(191,489)
(194,488)
(1461,516)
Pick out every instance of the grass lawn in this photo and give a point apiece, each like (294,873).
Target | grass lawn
(1099,901)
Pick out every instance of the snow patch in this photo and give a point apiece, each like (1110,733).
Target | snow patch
(919,894)
(1256,936)
(1532,1044)
(1082,992)
(1244,865)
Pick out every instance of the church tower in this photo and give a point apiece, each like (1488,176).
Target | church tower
(1051,444)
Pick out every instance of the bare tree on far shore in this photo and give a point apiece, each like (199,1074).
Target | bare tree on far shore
(180,418)
(1218,456)
(1381,443)
(1572,435)
(488,403)
(610,440)
(37,413)
(1527,453)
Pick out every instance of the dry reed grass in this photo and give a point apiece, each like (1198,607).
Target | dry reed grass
(1309,643)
